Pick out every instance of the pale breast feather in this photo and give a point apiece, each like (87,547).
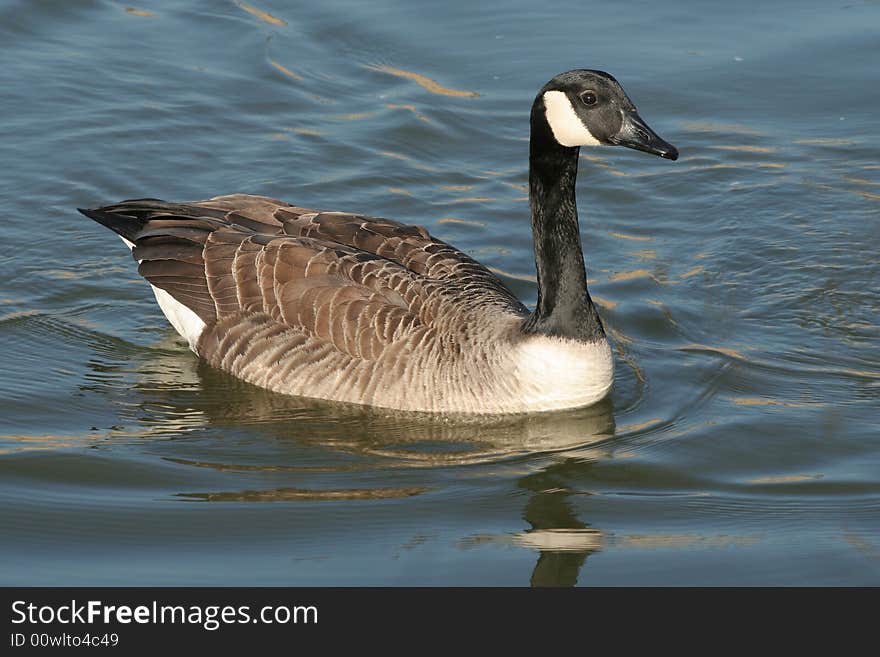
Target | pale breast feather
(557,373)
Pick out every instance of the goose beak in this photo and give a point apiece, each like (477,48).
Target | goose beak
(635,133)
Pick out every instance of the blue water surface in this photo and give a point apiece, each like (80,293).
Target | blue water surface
(741,443)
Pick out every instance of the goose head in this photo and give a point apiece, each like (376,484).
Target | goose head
(590,108)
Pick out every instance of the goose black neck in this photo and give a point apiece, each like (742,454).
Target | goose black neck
(564,306)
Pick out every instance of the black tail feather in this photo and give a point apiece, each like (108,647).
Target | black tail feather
(127,226)
(128,218)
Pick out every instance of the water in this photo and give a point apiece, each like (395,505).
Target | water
(740,444)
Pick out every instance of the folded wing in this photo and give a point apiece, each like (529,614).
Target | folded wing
(357,283)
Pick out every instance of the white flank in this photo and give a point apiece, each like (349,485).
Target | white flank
(555,373)
(185,321)
(567,127)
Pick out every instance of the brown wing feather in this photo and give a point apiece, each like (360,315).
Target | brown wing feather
(356,283)
(410,246)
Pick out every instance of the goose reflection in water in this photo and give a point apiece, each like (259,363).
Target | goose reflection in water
(344,452)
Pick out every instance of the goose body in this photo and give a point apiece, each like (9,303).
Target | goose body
(346,307)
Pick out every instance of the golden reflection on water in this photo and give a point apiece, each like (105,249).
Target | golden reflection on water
(621,343)
(692,272)
(711,126)
(472,199)
(635,238)
(139,12)
(285,71)
(847,190)
(602,302)
(519,277)
(504,172)
(413,109)
(262,15)
(639,426)
(862,544)
(354,116)
(861,181)
(619,336)
(15,443)
(466,222)
(424,81)
(44,442)
(806,369)
(764,401)
(827,141)
(311,132)
(63,274)
(785,479)
(744,148)
(406,158)
(630,275)
(730,353)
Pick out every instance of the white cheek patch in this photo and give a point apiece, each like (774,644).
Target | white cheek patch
(567,127)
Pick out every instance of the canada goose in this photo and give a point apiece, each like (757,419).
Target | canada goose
(357,309)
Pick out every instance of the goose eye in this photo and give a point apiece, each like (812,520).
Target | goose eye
(588,97)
